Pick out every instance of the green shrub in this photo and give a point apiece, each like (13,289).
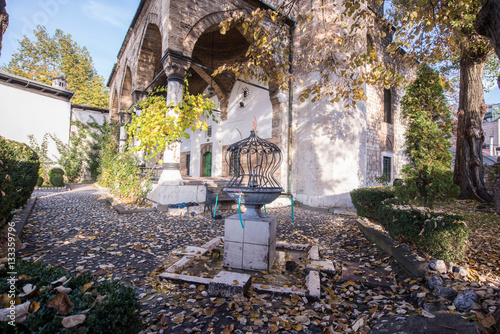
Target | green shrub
(39,183)
(440,235)
(367,201)
(117,314)
(21,164)
(56,180)
(56,170)
(6,195)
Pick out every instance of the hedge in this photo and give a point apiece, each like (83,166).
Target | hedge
(22,166)
(367,201)
(18,176)
(117,312)
(442,236)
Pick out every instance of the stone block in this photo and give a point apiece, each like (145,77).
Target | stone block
(192,251)
(313,285)
(176,212)
(198,209)
(255,257)
(233,254)
(326,266)
(227,284)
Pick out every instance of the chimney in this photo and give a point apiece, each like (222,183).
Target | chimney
(59,82)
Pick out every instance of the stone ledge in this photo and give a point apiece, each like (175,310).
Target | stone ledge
(227,284)
(401,254)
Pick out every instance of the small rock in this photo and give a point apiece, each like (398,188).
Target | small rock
(434,281)
(460,271)
(464,302)
(438,265)
(444,292)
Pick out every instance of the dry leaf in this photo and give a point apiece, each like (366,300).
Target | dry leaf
(87,286)
(297,327)
(178,320)
(61,303)
(72,321)
(228,329)
(61,280)
(23,278)
(487,321)
(427,314)
(35,306)
(63,289)
(20,312)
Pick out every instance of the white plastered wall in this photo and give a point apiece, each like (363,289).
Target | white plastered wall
(239,123)
(24,113)
(328,152)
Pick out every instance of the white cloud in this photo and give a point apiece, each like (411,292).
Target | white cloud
(106,13)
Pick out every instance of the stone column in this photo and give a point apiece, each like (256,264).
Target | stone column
(176,70)
(138,96)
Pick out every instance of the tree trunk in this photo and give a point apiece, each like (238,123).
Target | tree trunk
(4,21)
(488,22)
(470,136)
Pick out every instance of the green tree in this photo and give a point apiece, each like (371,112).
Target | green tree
(47,57)
(159,124)
(428,176)
(344,51)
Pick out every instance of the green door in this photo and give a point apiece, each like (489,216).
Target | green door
(208,164)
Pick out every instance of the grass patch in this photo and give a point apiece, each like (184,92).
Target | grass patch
(108,306)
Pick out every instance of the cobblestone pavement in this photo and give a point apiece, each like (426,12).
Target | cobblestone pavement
(78,230)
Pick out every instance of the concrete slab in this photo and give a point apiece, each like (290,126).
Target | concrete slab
(179,265)
(313,285)
(297,247)
(192,251)
(326,266)
(186,278)
(227,284)
(278,290)
(403,255)
(212,243)
(313,253)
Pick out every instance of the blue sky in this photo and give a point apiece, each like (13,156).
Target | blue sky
(100,25)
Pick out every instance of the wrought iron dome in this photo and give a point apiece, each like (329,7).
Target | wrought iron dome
(253,162)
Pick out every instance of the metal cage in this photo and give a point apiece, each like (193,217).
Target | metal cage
(253,162)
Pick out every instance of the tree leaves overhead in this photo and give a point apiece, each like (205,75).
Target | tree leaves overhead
(47,57)
(334,49)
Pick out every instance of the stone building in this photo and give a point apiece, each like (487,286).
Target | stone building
(327,150)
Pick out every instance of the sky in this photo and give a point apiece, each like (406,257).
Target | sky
(100,25)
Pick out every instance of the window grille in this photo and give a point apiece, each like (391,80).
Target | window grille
(387,167)
(387,106)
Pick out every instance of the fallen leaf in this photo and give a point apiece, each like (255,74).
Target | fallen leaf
(427,314)
(34,307)
(228,329)
(61,280)
(87,286)
(72,321)
(178,320)
(61,303)
(23,278)
(20,312)
(63,289)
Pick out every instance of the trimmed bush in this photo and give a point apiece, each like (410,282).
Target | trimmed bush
(22,165)
(39,183)
(440,235)
(6,195)
(117,313)
(56,170)
(56,180)
(367,201)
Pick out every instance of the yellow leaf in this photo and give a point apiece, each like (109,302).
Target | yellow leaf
(87,286)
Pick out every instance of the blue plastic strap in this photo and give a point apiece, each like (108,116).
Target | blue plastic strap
(265,210)
(216,200)
(239,211)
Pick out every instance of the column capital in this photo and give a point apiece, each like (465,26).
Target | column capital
(139,95)
(175,65)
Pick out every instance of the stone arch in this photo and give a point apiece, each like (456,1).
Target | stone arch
(149,63)
(202,26)
(126,100)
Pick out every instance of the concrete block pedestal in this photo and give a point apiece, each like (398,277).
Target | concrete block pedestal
(252,247)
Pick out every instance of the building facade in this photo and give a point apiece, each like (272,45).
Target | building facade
(327,150)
